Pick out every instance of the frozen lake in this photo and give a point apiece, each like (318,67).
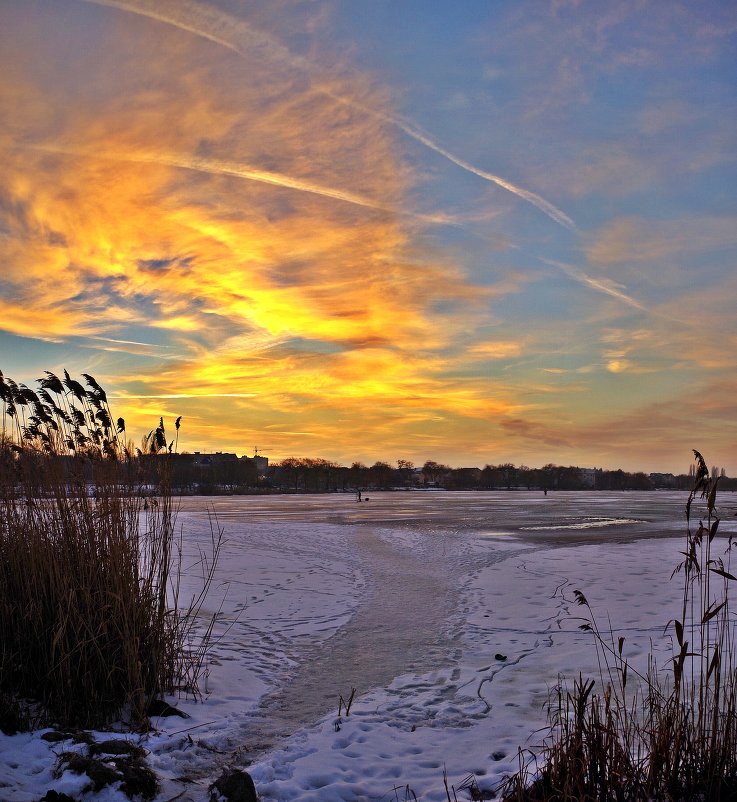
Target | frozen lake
(451,614)
(354,595)
(497,512)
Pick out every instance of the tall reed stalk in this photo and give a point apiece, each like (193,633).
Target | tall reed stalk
(668,734)
(90,626)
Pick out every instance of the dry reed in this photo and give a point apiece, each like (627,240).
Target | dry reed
(90,623)
(665,735)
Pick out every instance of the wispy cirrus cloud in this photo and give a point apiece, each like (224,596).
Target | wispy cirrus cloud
(266,240)
(244,171)
(638,240)
(240,37)
(219,227)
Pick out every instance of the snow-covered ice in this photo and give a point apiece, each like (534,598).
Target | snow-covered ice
(452,614)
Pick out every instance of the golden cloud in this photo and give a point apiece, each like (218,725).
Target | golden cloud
(501,349)
(263,228)
(243,242)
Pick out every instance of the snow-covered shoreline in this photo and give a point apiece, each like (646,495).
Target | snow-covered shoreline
(452,618)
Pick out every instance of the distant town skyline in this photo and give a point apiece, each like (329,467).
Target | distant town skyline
(361,230)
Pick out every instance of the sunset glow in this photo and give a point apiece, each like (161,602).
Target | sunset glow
(474,233)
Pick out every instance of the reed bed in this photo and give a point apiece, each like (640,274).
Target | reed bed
(670,733)
(90,623)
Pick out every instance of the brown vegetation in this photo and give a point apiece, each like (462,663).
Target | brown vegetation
(90,625)
(667,735)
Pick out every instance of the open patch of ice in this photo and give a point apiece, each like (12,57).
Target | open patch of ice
(586,523)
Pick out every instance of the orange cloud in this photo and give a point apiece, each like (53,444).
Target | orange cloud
(229,239)
(500,349)
(252,240)
(132,227)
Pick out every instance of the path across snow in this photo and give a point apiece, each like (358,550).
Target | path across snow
(401,625)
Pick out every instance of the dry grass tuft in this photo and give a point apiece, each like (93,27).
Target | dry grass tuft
(670,734)
(90,624)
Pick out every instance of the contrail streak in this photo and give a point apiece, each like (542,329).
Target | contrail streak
(129,342)
(218,27)
(208,16)
(545,206)
(237,170)
(600,285)
(184,395)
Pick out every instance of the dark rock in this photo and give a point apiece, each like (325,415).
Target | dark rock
(158,707)
(55,796)
(235,785)
(501,657)
(54,736)
(76,736)
(118,746)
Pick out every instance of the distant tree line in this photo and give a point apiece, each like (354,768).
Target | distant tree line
(320,475)
(209,474)
(224,473)
(214,474)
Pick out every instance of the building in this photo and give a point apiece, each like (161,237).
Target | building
(261,463)
(588,476)
(667,480)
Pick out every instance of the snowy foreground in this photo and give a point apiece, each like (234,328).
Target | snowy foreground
(452,615)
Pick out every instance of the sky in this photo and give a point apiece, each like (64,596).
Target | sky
(468,231)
